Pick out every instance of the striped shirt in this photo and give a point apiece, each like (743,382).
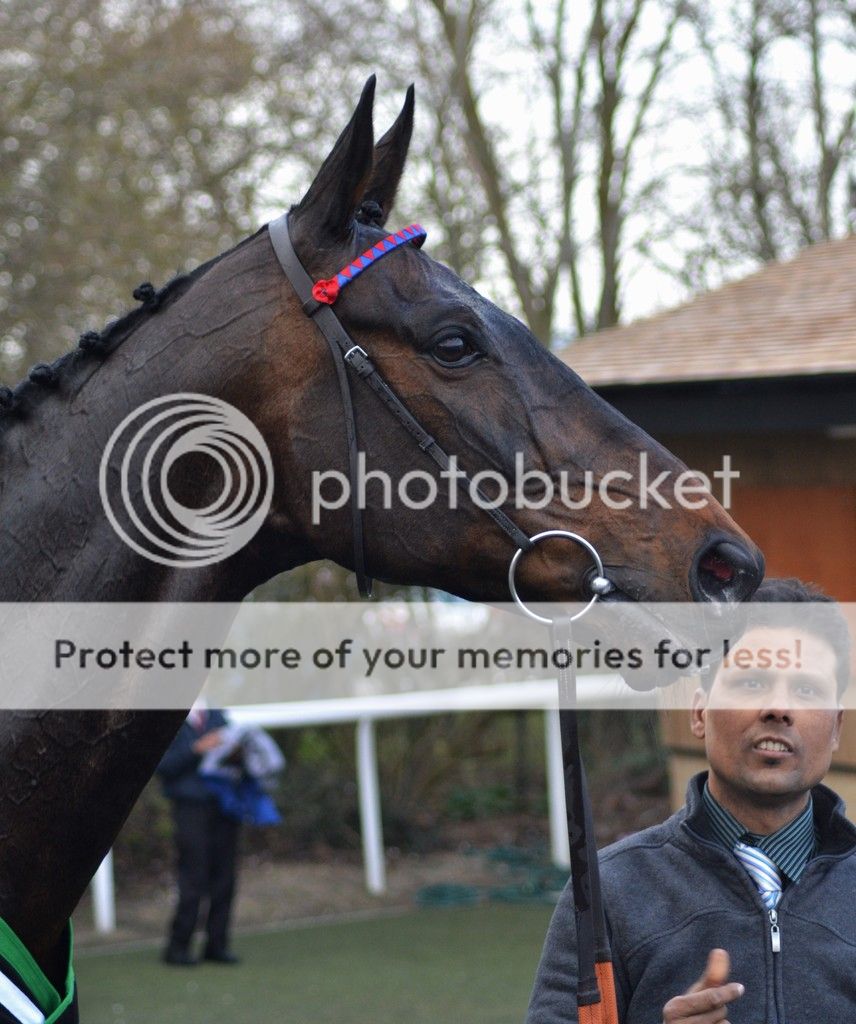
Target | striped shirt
(790,848)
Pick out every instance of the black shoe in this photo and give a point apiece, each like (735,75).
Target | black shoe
(220,956)
(178,957)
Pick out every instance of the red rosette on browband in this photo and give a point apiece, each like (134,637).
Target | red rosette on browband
(326,292)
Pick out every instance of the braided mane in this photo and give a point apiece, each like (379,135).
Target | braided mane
(95,346)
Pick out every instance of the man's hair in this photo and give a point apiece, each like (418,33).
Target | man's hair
(819,615)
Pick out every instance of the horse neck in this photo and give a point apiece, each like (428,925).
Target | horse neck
(57,543)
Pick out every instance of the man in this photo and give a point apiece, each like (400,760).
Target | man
(206,841)
(740,906)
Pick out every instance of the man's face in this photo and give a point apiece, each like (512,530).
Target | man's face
(770,731)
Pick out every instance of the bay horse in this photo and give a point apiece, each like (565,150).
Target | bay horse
(234,328)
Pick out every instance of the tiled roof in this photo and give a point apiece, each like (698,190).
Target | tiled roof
(787,319)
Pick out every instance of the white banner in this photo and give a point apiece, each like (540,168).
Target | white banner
(67,656)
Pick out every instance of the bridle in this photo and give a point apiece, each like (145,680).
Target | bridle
(595,987)
(317,298)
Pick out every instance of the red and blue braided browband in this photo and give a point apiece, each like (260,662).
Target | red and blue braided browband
(327,291)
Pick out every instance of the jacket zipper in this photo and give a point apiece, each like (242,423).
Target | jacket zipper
(775,936)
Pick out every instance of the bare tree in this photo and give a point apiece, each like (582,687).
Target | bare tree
(596,118)
(780,167)
(134,137)
(532,192)
(153,132)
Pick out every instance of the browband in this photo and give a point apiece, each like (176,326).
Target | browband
(327,291)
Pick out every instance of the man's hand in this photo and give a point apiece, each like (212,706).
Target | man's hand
(210,741)
(707,1001)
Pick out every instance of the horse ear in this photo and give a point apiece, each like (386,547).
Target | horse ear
(390,155)
(335,193)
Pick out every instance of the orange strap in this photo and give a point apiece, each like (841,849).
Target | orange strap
(606,1011)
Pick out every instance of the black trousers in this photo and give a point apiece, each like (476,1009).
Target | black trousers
(207,843)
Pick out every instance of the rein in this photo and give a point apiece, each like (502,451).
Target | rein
(595,987)
(595,982)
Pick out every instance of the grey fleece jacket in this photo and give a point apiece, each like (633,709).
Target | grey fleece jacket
(672,893)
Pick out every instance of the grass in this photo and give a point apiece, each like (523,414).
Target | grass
(439,966)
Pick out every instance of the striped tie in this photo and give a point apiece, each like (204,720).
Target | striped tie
(763,873)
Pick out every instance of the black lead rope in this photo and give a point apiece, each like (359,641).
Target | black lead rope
(585,878)
(345,351)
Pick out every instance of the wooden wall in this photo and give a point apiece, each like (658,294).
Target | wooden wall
(804,530)
(796,498)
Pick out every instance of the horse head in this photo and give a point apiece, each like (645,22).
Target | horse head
(492,396)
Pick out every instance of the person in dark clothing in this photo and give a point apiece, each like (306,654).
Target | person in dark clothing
(206,842)
(757,870)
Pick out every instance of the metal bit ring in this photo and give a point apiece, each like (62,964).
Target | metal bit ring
(600,585)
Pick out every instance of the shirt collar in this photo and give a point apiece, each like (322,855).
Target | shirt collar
(790,848)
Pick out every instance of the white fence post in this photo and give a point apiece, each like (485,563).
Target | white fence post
(560,848)
(370,819)
(104,897)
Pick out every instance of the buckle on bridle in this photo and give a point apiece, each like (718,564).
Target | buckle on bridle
(358,358)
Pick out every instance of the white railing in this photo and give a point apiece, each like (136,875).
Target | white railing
(592,691)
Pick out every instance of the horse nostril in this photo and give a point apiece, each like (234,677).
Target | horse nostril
(726,571)
(713,564)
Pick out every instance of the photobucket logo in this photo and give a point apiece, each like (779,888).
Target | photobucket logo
(145,449)
(530,488)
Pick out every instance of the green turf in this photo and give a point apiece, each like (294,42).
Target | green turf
(439,966)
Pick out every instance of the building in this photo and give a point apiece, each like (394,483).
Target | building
(763,370)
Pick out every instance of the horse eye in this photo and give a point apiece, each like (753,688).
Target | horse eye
(454,351)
